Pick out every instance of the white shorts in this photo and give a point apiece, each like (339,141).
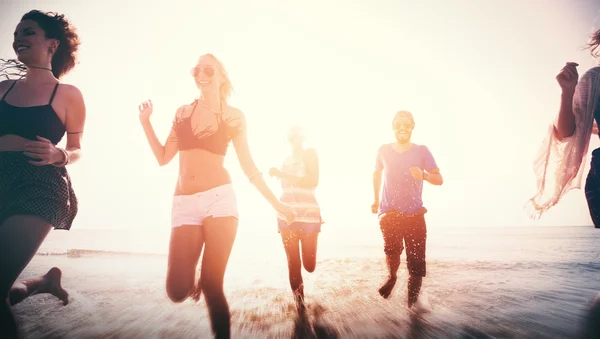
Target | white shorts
(194,208)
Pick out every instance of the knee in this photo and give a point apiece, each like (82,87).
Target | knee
(177,294)
(16,293)
(310,265)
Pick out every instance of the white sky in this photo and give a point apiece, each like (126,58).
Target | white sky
(477,75)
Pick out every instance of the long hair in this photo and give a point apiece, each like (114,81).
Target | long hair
(11,69)
(55,26)
(594,44)
(226,88)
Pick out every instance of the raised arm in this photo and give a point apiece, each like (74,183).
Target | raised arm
(567,78)
(240,142)
(163,153)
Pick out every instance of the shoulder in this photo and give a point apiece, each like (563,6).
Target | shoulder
(425,151)
(593,72)
(233,113)
(384,148)
(70,91)
(181,110)
(234,117)
(5,85)
(589,80)
(310,153)
(72,96)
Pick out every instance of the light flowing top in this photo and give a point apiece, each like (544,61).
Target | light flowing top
(301,199)
(568,155)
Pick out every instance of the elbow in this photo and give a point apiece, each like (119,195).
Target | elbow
(562,133)
(162,161)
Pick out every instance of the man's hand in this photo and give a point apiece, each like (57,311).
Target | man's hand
(417,173)
(375,207)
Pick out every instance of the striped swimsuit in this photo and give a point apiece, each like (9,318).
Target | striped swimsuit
(301,199)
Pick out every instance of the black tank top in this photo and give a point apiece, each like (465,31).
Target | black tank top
(30,122)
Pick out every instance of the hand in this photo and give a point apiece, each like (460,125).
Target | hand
(145,111)
(417,173)
(567,77)
(44,151)
(286,210)
(375,207)
(274,172)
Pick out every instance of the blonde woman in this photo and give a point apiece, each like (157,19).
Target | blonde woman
(204,211)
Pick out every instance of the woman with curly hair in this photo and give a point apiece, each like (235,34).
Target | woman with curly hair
(204,216)
(36,195)
(567,145)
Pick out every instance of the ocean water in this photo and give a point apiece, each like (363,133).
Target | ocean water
(481,283)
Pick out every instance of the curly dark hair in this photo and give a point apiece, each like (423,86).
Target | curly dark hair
(594,44)
(55,26)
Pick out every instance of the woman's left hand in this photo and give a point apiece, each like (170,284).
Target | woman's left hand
(43,151)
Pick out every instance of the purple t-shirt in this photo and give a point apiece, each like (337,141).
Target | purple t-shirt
(402,192)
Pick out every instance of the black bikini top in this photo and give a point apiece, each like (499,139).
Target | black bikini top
(215,142)
(30,122)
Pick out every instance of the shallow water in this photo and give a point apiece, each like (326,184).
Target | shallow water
(481,283)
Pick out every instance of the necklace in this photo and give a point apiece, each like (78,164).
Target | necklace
(210,109)
(44,68)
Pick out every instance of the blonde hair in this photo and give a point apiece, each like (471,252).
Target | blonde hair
(226,88)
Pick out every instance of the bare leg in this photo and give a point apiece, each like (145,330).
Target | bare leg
(20,238)
(184,251)
(291,244)
(48,283)
(309,250)
(219,235)
(414,287)
(393,264)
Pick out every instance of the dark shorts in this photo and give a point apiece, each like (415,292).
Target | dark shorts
(303,227)
(43,191)
(592,188)
(400,230)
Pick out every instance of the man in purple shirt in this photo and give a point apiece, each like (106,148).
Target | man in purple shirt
(404,166)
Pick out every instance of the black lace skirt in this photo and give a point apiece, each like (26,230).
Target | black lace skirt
(43,191)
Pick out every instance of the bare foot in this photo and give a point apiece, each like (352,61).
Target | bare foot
(52,285)
(387,288)
(420,307)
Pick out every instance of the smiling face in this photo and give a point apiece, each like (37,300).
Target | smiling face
(403,126)
(208,75)
(31,45)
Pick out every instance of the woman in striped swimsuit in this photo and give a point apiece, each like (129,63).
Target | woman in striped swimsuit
(299,177)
